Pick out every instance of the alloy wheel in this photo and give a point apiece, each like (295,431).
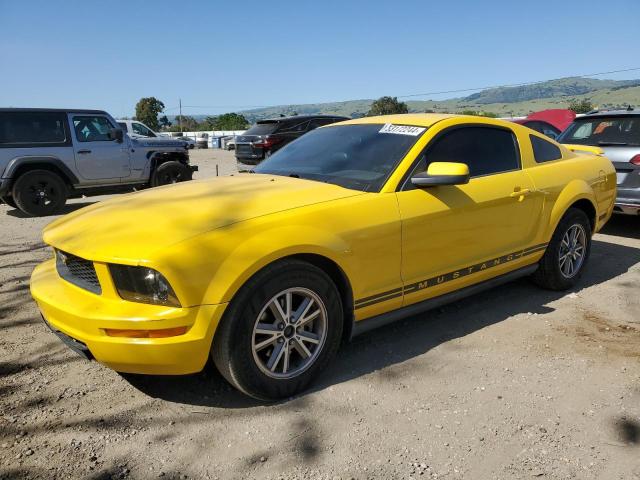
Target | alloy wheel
(289,333)
(573,249)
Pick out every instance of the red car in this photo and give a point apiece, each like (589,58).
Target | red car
(550,122)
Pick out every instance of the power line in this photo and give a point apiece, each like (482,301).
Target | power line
(219,106)
(516,84)
(461,90)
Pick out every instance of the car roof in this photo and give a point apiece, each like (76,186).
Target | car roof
(417,119)
(626,112)
(298,118)
(53,110)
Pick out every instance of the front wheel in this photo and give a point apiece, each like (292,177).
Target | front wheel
(280,331)
(567,253)
(170,172)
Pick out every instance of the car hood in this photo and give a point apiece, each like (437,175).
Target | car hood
(129,228)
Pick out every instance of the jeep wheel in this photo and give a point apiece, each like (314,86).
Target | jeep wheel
(280,331)
(170,172)
(567,253)
(39,193)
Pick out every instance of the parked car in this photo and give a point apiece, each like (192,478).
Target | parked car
(230,143)
(551,122)
(202,140)
(617,132)
(352,226)
(191,143)
(268,136)
(540,126)
(136,129)
(49,155)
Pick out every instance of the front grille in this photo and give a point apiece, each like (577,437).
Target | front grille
(78,271)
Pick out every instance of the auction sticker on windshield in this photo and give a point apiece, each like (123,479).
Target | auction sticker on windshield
(402,129)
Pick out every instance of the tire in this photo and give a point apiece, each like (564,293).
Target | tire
(553,273)
(170,172)
(245,356)
(9,201)
(39,193)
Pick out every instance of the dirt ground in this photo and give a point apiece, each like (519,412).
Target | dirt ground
(514,383)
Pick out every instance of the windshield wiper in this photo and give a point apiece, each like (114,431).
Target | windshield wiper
(612,143)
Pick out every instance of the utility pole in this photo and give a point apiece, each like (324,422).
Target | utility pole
(180,117)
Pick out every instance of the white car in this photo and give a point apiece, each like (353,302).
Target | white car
(191,143)
(136,129)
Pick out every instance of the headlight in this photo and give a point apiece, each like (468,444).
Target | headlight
(143,285)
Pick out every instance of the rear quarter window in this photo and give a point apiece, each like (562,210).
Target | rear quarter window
(544,151)
(22,129)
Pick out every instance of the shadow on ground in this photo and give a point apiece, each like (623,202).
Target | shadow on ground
(68,208)
(406,339)
(623,226)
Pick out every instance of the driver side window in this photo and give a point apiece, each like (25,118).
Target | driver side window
(92,128)
(486,150)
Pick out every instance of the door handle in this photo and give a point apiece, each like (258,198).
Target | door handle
(83,152)
(520,192)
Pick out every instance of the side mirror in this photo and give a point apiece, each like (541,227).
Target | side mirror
(442,173)
(116,134)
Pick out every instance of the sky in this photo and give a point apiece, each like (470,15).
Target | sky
(231,56)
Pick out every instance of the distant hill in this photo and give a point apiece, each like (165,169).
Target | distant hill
(503,101)
(555,88)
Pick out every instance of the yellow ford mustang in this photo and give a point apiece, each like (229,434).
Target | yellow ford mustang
(349,227)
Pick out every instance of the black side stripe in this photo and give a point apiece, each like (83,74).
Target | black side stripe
(447,277)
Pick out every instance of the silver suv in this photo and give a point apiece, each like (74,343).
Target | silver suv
(49,155)
(617,132)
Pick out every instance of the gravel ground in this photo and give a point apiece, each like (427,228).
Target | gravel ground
(514,383)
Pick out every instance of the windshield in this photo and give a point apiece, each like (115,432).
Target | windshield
(360,157)
(603,131)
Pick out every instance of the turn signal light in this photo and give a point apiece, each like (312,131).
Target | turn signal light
(161,333)
(636,160)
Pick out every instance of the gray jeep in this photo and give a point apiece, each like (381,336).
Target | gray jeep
(49,155)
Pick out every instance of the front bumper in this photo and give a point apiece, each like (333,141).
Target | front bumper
(82,317)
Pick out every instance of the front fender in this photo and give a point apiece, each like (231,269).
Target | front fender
(573,192)
(257,251)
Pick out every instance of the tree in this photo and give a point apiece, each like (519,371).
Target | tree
(387,106)
(188,124)
(230,121)
(164,122)
(479,113)
(581,106)
(147,111)
(207,124)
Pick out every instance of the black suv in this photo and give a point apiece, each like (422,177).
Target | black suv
(267,136)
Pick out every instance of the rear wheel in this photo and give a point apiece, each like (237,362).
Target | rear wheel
(567,253)
(280,331)
(39,193)
(170,172)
